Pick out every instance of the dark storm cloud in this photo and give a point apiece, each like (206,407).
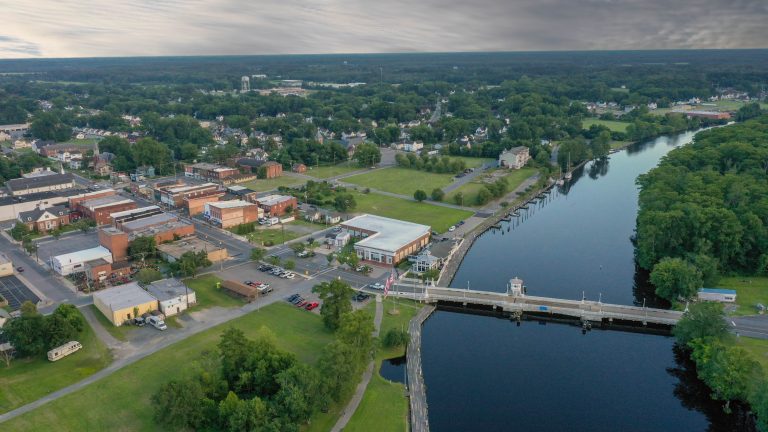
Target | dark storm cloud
(156,27)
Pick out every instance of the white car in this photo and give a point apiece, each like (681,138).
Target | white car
(377,286)
(452,228)
(290,275)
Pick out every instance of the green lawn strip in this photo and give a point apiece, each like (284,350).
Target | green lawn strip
(324,172)
(613,125)
(121,401)
(750,291)
(404,181)
(439,218)
(208,295)
(275,235)
(471,162)
(120,333)
(757,348)
(263,185)
(30,379)
(384,406)
(470,190)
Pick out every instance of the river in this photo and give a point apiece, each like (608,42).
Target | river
(489,374)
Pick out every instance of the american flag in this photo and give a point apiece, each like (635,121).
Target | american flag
(388,284)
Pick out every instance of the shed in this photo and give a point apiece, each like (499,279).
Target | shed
(240,289)
(717,294)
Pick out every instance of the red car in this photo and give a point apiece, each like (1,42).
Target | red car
(302,303)
(311,306)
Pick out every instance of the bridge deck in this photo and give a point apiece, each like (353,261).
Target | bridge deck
(586,310)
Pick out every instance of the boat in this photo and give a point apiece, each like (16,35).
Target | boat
(568,174)
(515,214)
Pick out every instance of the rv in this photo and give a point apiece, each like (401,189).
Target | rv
(64,350)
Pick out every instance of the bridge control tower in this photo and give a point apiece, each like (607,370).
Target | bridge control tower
(515,288)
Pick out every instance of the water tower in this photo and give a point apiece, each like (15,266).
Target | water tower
(245,84)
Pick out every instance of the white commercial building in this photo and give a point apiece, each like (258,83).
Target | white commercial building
(384,240)
(172,295)
(74,262)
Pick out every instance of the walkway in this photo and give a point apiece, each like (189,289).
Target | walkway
(416,390)
(351,407)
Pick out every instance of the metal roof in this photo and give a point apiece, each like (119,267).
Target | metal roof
(123,296)
(390,235)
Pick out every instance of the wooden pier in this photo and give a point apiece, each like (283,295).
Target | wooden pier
(417,394)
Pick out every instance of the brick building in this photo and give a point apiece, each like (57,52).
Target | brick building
(100,209)
(45,219)
(276,205)
(85,196)
(226,214)
(116,241)
(210,172)
(195,202)
(271,169)
(174,195)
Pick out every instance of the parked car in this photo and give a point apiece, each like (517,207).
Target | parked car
(336,229)
(264,289)
(20,269)
(361,296)
(452,228)
(248,283)
(139,321)
(276,271)
(460,223)
(265,267)
(297,300)
(303,254)
(302,303)
(360,268)
(293,297)
(377,286)
(290,275)
(311,306)
(157,323)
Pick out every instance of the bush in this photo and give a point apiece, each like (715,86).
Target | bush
(396,338)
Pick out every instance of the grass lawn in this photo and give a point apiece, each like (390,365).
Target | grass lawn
(119,333)
(758,348)
(384,406)
(471,189)
(402,181)
(208,295)
(263,185)
(274,235)
(30,379)
(613,125)
(324,172)
(439,218)
(121,401)
(750,291)
(472,162)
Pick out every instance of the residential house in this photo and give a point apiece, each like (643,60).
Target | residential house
(45,219)
(514,158)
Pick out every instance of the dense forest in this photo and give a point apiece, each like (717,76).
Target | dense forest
(704,209)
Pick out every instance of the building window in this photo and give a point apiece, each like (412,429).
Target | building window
(389,260)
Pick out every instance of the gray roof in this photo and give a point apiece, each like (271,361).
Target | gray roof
(37,182)
(34,215)
(390,234)
(123,296)
(167,289)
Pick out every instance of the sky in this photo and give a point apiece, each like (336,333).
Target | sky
(90,28)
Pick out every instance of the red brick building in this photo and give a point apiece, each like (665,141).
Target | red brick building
(100,209)
(210,172)
(299,168)
(116,241)
(276,205)
(46,219)
(226,214)
(271,169)
(196,201)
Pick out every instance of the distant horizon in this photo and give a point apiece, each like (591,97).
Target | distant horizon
(383,53)
(58,29)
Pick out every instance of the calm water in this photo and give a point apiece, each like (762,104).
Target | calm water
(485,373)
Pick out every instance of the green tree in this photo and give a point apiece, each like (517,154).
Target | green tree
(367,155)
(84,224)
(242,415)
(47,126)
(274,260)
(146,276)
(729,371)
(703,320)
(177,404)
(437,194)
(356,329)
(396,338)
(257,254)
(330,257)
(290,264)
(419,195)
(299,394)
(675,278)
(344,202)
(150,152)
(142,247)
(298,247)
(483,196)
(458,198)
(27,333)
(190,262)
(19,231)
(339,369)
(336,297)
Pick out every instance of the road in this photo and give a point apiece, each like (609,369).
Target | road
(461,181)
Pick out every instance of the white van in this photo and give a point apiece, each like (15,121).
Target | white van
(157,323)
(64,350)
(273,221)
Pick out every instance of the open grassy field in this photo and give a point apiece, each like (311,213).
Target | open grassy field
(439,218)
(472,162)
(264,185)
(208,295)
(275,236)
(750,291)
(402,181)
(120,333)
(324,172)
(384,406)
(30,379)
(758,348)
(471,189)
(613,125)
(121,401)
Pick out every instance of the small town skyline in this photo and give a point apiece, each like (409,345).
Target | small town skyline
(56,29)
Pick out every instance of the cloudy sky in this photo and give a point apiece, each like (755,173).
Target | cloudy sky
(95,28)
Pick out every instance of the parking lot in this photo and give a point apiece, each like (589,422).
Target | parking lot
(13,290)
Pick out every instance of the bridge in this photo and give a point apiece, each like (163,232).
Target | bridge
(516,302)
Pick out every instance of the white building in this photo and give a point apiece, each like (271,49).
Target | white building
(414,146)
(172,295)
(717,294)
(514,158)
(384,240)
(74,262)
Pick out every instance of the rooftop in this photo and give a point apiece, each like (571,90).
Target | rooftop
(40,181)
(34,215)
(166,289)
(189,244)
(271,200)
(85,255)
(106,201)
(230,204)
(123,296)
(134,211)
(187,188)
(390,234)
(717,291)
(150,221)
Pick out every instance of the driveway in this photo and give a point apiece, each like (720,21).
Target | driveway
(461,181)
